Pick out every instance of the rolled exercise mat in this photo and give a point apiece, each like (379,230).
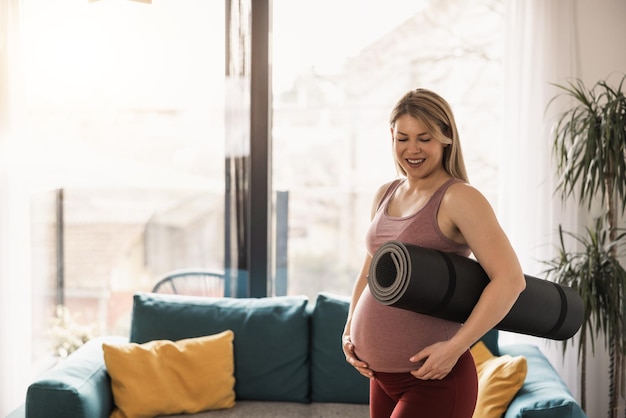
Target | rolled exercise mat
(448,286)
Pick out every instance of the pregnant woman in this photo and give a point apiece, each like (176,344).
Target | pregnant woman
(421,366)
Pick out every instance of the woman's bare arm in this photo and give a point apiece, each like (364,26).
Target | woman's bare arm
(468,216)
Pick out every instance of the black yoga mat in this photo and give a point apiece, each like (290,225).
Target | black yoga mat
(448,286)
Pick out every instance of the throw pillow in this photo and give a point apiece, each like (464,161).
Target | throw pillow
(332,378)
(499,379)
(163,377)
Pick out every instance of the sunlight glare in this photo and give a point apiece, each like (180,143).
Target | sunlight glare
(332,32)
(109,52)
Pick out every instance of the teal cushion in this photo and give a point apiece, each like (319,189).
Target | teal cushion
(271,337)
(332,378)
(544,394)
(77,387)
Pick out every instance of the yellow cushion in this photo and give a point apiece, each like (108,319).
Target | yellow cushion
(499,379)
(165,377)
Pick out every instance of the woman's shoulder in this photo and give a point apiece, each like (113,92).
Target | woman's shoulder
(458,187)
(462,195)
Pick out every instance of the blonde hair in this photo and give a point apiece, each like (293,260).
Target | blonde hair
(435,113)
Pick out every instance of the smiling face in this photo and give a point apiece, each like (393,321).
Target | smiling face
(424,111)
(417,152)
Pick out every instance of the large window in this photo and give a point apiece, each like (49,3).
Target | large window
(338,68)
(125,108)
(122,150)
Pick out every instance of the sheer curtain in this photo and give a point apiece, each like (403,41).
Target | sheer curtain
(15,299)
(541,49)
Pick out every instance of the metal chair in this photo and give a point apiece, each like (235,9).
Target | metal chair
(193,282)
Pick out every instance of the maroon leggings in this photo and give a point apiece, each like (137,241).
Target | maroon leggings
(401,395)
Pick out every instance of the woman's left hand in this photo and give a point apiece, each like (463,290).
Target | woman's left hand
(439,359)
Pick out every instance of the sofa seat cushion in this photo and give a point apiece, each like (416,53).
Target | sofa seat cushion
(170,377)
(257,409)
(271,345)
(543,394)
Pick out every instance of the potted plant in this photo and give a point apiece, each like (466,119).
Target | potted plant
(589,146)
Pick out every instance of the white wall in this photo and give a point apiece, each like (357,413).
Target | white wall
(15,296)
(601,38)
(15,316)
(602,55)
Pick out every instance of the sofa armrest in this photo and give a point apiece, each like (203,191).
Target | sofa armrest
(78,386)
(544,394)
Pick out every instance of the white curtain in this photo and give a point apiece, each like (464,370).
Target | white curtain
(15,299)
(541,50)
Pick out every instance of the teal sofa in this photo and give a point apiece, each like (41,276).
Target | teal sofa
(288,361)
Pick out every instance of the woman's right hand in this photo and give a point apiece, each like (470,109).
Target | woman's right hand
(348,350)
